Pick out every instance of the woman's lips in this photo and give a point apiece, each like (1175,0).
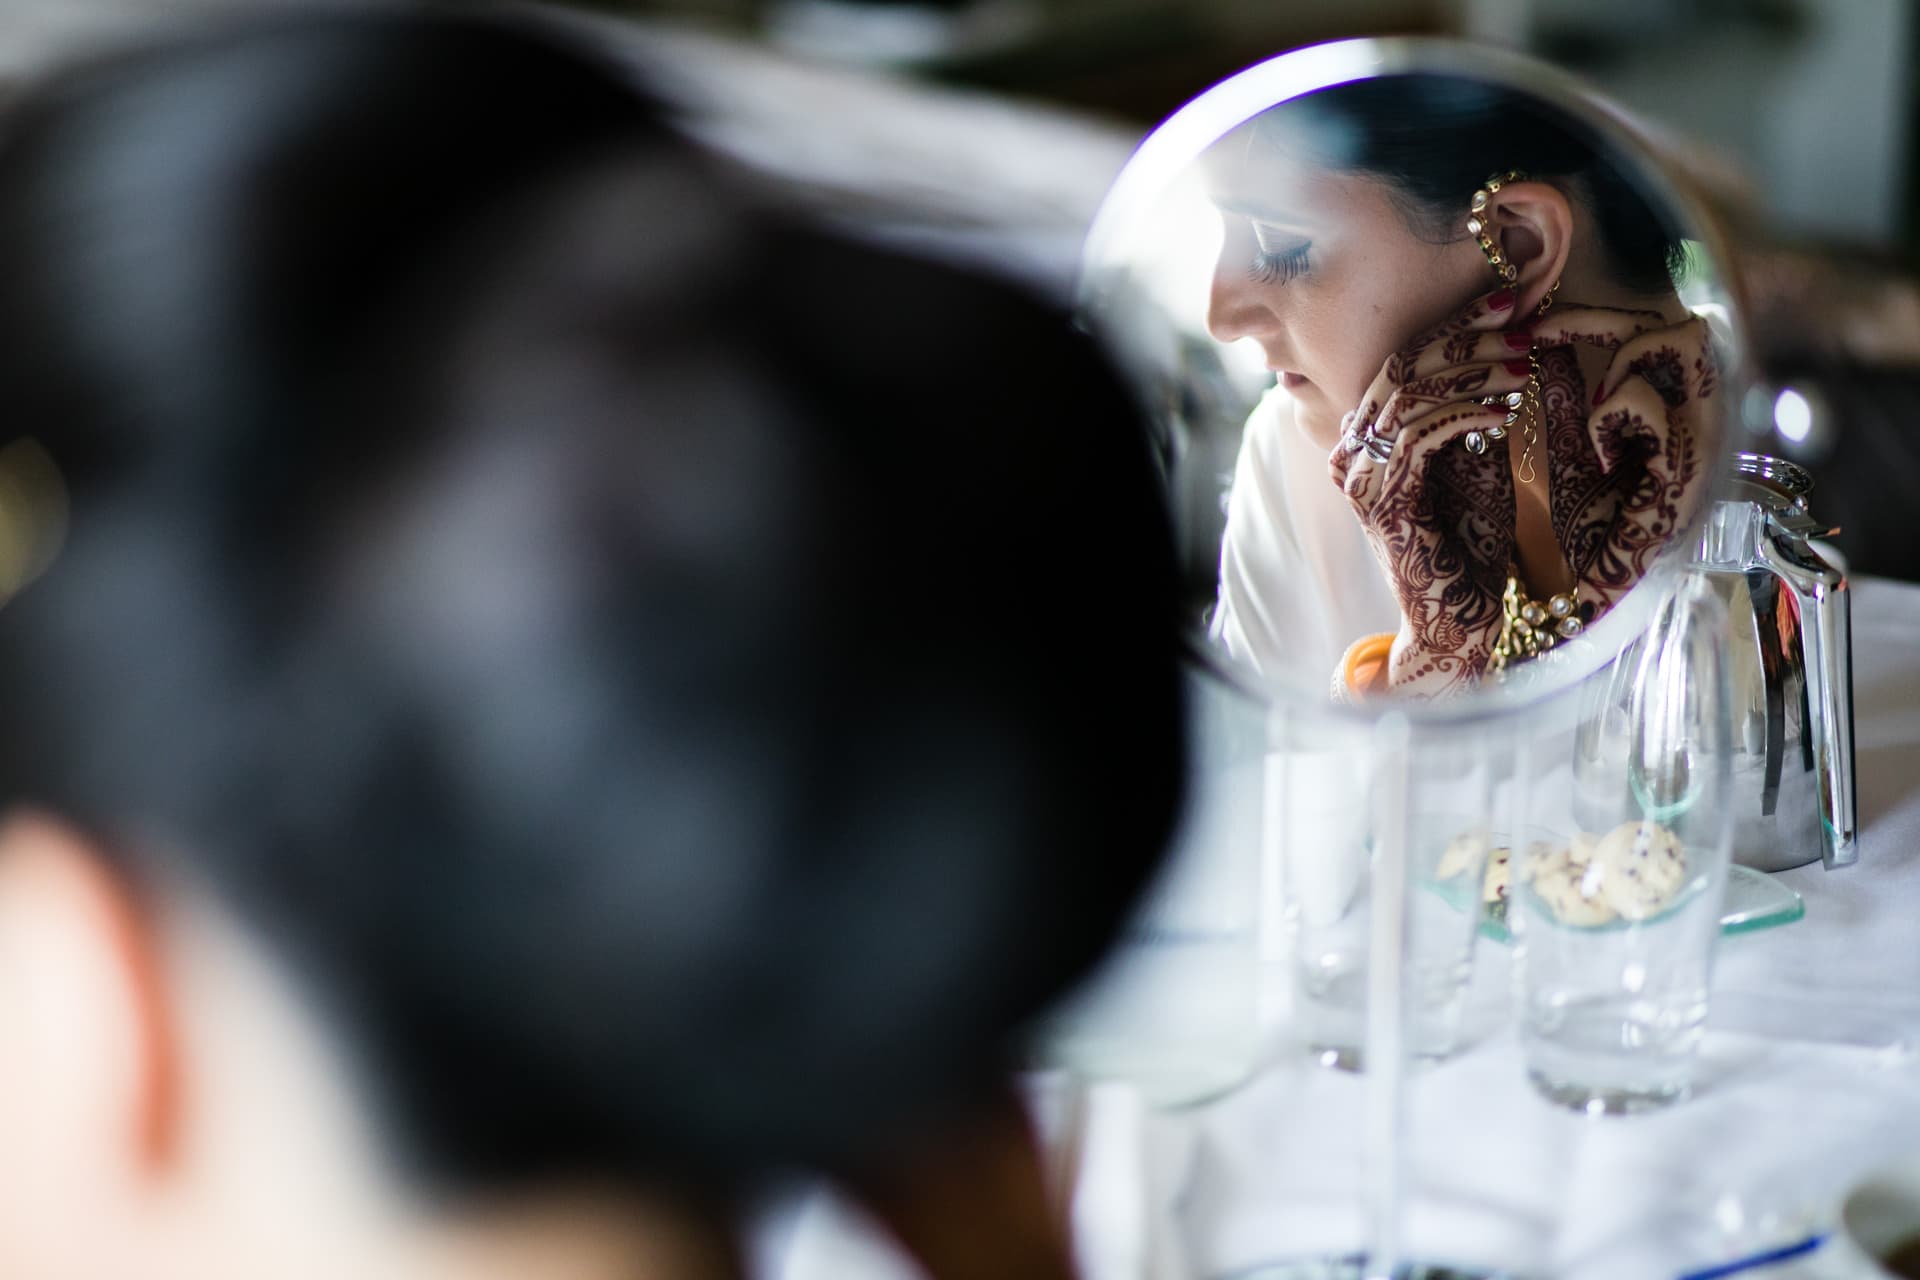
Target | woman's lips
(1291,381)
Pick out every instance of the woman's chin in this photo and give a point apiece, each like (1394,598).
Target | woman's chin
(1320,425)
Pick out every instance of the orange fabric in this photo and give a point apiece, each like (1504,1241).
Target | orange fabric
(1365,666)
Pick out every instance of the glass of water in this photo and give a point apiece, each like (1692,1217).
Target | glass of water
(1615,917)
(1325,790)
(1176,1010)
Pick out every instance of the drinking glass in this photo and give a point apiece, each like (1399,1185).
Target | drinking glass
(1327,785)
(1176,1008)
(1615,918)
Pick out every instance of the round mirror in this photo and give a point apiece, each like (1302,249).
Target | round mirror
(1444,364)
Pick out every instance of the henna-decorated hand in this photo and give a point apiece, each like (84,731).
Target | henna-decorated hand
(1445,554)
(1624,485)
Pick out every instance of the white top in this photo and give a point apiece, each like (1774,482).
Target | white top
(1298,583)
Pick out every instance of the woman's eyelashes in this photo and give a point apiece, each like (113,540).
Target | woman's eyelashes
(1277,266)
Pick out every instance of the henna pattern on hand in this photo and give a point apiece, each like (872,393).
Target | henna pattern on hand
(1663,370)
(1437,522)
(1623,477)
(1627,475)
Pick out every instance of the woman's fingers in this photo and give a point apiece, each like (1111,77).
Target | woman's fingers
(1423,436)
(1676,360)
(1368,474)
(1351,449)
(1454,341)
(1370,439)
(1489,311)
(1360,479)
(1461,384)
(1477,381)
(1606,327)
(1469,346)
(1658,377)
(1486,314)
(1628,426)
(1340,460)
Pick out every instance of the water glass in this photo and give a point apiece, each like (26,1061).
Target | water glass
(1615,918)
(1175,1009)
(1322,789)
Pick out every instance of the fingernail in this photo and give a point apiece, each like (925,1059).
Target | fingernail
(1501,300)
(1519,368)
(1518,339)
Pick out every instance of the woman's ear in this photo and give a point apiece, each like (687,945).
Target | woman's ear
(88,1082)
(1533,225)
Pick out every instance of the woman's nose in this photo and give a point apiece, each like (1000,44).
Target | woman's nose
(1236,307)
(1233,312)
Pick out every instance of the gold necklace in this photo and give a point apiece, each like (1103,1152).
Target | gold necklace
(1530,431)
(1530,416)
(1530,627)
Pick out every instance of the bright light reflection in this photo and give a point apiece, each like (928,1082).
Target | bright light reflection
(1792,415)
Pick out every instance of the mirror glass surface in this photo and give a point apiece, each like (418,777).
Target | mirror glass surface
(1443,364)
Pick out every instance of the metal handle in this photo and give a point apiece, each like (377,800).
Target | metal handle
(1825,608)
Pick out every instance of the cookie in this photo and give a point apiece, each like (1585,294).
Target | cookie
(1538,856)
(1570,892)
(1460,856)
(1642,867)
(1499,874)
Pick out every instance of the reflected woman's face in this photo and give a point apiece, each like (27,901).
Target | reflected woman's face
(1322,269)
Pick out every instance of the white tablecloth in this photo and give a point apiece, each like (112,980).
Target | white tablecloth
(1810,1077)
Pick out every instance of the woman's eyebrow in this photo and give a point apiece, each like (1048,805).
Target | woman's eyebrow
(1261,213)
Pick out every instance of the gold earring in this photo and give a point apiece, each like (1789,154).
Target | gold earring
(1546,301)
(1523,407)
(1480,228)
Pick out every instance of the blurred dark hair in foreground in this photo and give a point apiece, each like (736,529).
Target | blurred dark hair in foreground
(678,687)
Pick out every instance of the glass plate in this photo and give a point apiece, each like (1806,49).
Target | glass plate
(1755,901)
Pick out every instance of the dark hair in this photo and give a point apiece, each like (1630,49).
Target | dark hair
(1436,138)
(602,632)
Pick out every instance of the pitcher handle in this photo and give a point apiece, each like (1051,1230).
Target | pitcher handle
(1825,607)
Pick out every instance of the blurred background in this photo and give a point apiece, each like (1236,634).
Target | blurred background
(990,129)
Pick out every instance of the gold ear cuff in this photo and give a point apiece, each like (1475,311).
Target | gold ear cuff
(1479,228)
